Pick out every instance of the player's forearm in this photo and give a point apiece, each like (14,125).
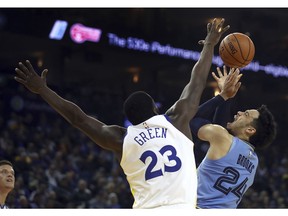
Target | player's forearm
(202,67)
(199,76)
(208,108)
(70,111)
(223,113)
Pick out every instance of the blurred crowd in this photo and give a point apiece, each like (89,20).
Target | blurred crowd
(57,166)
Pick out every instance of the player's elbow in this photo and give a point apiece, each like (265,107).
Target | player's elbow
(77,119)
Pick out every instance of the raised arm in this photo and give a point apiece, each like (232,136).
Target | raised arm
(228,91)
(108,137)
(222,113)
(216,135)
(186,107)
(193,90)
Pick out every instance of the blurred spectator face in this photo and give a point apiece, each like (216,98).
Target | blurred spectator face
(82,184)
(23,201)
(7,178)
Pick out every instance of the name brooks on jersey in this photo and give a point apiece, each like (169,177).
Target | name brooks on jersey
(245,162)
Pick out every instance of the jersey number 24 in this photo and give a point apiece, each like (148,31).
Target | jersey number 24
(231,178)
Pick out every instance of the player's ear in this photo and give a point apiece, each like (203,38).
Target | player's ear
(250,131)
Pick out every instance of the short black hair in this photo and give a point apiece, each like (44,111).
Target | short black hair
(266,128)
(138,107)
(5,162)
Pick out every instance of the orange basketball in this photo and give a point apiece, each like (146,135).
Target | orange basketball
(236,50)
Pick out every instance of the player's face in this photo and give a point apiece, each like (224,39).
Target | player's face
(7,177)
(243,119)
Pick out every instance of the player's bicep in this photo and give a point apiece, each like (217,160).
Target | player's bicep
(212,133)
(191,92)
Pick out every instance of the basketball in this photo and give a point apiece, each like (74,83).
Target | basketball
(236,50)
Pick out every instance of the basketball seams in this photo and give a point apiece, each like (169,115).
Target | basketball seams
(250,46)
(248,50)
(235,49)
(230,63)
(228,51)
(240,50)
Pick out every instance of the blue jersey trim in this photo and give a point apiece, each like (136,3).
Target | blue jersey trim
(167,118)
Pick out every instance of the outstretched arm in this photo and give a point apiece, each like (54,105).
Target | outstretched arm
(229,85)
(186,107)
(108,137)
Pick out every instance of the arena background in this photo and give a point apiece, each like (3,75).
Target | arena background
(57,166)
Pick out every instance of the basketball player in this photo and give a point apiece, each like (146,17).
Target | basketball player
(229,167)
(7,181)
(156,152)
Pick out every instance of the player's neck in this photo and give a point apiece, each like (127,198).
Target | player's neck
(3,198)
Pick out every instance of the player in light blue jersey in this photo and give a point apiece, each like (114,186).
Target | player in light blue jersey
(229,167)
(7,181)
(157,153)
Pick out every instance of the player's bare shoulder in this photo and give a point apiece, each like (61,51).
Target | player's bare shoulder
(178,113)
(179,118)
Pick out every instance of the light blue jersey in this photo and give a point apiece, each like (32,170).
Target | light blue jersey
(222,182)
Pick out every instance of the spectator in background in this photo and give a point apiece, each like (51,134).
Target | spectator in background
(7,181)
(260,195)
(82,194)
